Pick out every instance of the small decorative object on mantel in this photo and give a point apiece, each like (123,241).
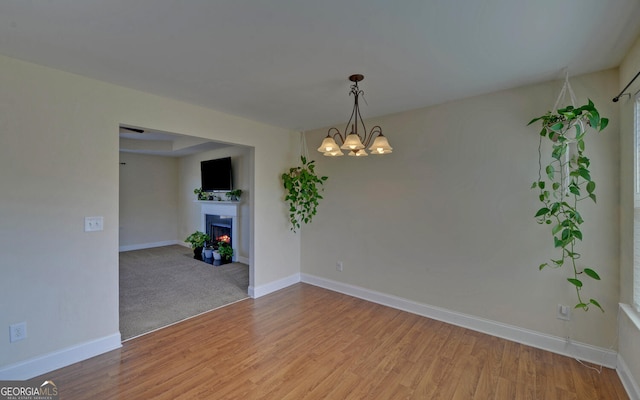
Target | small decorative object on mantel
(234,195)
(200,194)
(567,182)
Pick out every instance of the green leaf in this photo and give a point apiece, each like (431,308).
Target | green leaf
(574,189)
(577,234)
(541,184)
(595,303)
(592,273)
(542,211)
(567,223)
(603,123)
(556,229)
(579,132)
(591,186)
(542,266)
(559,151)
(557,242)
(592,197)
(550,172)
(575,282)
(582,305)
(557,126)
(584,161)
(584,173)
(534,120)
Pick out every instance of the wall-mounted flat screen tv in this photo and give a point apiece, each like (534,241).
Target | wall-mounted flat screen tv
(216,174)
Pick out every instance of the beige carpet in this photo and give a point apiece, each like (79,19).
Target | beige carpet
(164,285)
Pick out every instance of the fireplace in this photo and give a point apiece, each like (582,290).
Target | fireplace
(219,228)
(220,222)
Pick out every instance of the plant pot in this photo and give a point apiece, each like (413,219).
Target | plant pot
(197,253)
(216,255)
(208,253)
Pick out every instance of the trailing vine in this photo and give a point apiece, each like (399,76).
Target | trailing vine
(303,189)
(566,183)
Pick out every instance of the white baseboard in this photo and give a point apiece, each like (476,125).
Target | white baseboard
(243,260)
(630,385)
(143,246)
(555,344)
(42,364)
(259,291)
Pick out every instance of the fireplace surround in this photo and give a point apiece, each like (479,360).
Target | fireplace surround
(223,215)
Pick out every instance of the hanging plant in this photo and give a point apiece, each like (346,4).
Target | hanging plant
(566,183)
(303,189)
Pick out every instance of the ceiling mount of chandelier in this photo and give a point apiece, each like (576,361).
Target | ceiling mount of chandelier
(358,139)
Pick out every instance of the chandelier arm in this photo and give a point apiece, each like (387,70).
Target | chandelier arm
(365,137)
(375,131)
(337,133)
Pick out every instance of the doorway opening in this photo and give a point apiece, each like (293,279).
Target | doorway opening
(159,172)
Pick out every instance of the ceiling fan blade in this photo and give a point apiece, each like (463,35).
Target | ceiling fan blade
(132,129)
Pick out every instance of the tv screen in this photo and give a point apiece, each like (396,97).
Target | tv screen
(216,174)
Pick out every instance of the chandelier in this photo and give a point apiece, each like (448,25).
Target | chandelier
(355,142)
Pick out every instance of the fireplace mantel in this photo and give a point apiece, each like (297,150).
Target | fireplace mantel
(229,208)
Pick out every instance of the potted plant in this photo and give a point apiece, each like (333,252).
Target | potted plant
(234,195)
(225,250)
(200,194)
(302,187)
(197,240)
(566,183)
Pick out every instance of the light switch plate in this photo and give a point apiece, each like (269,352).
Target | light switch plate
(564,312)
(93,224)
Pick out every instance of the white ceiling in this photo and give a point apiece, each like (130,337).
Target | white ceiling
(165,144)
(286,62)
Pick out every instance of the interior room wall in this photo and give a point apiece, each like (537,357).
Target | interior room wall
(447,219)
(628,331)
(59,162)
(189,172)
(148,214)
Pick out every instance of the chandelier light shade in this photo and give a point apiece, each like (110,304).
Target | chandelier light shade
(358,139)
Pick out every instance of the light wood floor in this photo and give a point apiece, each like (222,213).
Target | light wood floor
(305,342)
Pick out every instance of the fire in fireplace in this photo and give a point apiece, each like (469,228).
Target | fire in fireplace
(219,228)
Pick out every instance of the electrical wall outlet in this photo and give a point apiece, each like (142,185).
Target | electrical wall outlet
(339,266)
(17,332)
(92,224)
(564,312)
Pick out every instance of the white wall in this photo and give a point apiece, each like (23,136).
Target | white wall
(59,162)
(629,332)
(148,200)
(447,219)
(189,170)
